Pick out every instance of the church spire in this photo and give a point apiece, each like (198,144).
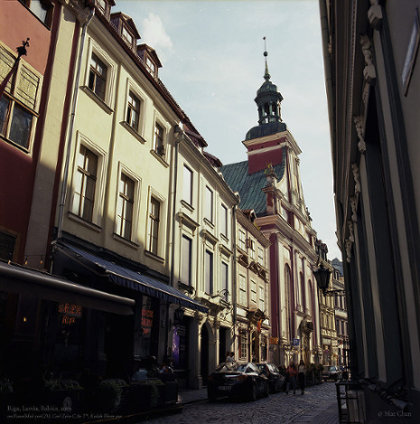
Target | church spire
(269,110)
(267,74)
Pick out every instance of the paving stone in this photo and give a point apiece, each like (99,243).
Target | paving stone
(318,405)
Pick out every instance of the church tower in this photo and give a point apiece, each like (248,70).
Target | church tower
(269,184)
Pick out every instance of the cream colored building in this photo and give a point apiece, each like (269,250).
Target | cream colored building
(203,240)
(252,323)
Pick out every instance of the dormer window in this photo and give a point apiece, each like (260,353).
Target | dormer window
(149,58)
(104,6)
(150,66)
(127,36)
(126,28)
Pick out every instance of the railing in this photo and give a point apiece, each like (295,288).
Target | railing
(351,402)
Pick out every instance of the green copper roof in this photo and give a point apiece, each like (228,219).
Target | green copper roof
(250,186)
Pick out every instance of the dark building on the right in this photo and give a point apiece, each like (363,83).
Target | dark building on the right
(373,86)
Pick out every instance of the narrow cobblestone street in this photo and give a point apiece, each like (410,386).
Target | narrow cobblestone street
(317,405)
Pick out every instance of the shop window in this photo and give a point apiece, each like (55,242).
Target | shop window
(133,111)
(7,246)
(154,220)
(85,181)
(243,345)
(125,207)
(97,76)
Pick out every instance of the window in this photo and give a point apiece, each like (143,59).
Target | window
(125,207)
(154,217)
(150,66)
(224,220)
(242,238)
(42,9)
(208,272)
(7,246)
(127,37)
(243,345)
(158,140)
(85,183)
(97,76)
(19,101)
(251,245)
(261,304)
(209,204)
(254,292)
(242,290)
(186,260)
(225,280)
(187,185)
(261,256)
(133,111)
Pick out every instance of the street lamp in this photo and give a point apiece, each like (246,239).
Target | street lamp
(322,276)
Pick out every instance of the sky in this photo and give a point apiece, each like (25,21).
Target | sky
(213,65)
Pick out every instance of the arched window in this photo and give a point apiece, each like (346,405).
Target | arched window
(302,291)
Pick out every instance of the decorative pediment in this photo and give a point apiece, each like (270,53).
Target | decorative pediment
(255,315)
(184,219)
(209,236)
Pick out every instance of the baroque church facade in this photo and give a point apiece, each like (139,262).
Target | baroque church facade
(269,183)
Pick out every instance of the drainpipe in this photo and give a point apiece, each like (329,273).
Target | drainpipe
(178,137)
(63,190)
(234,272)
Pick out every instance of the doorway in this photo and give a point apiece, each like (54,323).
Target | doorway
(204,338)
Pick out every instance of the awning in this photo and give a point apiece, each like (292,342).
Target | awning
(133,280)
(21,280)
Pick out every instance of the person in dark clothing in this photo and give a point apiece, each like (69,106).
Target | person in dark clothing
(291,373)
(301,376)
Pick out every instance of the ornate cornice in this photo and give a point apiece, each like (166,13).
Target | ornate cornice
(358,123)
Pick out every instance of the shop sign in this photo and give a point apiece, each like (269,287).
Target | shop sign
(146,321)
(69,312)
(274,340)
(295,342)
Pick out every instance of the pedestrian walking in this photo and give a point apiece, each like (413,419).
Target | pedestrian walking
(291,373)
(301,376)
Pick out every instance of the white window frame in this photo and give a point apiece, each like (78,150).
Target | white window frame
(94,48)
(243,300)
(100,178)
(224,220)
(224,273)
(261,299)
(162,221)
(12,94)
(190,260)
(208,208)
(242,239)
(253,292)
(122,169)
(188,194)
(261,256)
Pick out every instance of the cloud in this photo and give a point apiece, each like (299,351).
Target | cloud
(154,34)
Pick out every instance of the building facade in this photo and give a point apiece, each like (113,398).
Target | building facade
(372,79)
(269,183)
(252,305)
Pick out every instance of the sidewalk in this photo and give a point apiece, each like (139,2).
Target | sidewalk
(192,395)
